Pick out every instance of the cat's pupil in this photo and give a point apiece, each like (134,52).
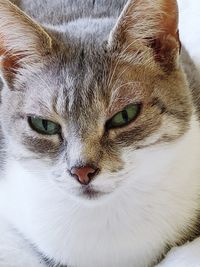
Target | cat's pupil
(125,116)
(45,124)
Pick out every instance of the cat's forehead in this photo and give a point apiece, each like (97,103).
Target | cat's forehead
(82,77)
(69,86)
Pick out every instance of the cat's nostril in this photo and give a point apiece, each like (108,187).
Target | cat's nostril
(84,174)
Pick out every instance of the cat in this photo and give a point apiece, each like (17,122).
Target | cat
(100,135)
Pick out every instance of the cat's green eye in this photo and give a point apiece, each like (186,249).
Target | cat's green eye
(124,117)
(44,126)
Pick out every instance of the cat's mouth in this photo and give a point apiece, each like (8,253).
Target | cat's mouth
(89,192)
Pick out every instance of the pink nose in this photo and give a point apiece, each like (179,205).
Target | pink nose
(84,174)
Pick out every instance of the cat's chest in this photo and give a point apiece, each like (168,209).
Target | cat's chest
(127,231)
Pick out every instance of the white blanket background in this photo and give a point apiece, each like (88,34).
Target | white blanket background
(189,25)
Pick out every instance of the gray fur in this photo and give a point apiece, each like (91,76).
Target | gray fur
(62,11)
(73,84)
(193,77)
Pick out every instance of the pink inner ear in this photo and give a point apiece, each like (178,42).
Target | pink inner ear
(9,62)
(167,43)
(163,45)
(169,23)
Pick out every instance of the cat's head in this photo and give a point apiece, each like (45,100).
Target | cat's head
(80,107)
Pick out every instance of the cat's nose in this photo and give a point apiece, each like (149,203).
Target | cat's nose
(84,174)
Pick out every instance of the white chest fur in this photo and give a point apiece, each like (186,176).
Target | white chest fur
(158,200)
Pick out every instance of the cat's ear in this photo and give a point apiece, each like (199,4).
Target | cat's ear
(22,40)
(149,26)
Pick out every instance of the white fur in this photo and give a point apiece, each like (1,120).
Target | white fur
(157,198)
(14,250)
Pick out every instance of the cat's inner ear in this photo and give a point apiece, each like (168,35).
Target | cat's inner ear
(22,41)
(151,26)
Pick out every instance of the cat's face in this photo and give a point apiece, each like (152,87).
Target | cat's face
(93,104)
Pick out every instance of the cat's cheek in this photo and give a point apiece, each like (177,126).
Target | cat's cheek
(44,146)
